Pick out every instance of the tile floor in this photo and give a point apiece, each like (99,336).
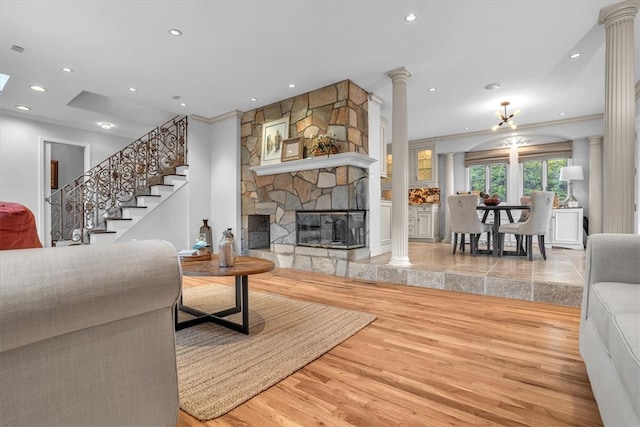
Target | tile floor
(557,280)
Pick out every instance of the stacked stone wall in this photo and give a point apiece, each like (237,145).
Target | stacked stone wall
(340,109)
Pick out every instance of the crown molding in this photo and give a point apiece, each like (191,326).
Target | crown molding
(211,120)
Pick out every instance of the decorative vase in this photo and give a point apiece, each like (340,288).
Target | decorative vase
(205,230)
(226,254)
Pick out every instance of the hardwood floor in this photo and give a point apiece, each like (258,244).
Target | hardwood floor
(431,358)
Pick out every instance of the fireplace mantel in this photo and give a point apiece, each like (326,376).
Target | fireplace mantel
(341,159)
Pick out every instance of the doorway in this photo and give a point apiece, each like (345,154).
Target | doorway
(64,161)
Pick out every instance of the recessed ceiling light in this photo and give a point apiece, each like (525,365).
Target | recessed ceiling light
(410,17)
(67,69)
(254,99)
(37,88)
(17,48)
(466,128)
(292,85)
(493,86)
(182,104)
(23,107)
(175,32)
(575,55)
(562,114)
(176,97)
(432,89)
(105,125)
(132,89)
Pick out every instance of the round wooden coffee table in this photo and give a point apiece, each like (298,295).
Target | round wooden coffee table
(241,269)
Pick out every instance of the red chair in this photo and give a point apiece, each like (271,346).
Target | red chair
(17,227)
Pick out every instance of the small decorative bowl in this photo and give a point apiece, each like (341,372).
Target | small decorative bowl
(492,201)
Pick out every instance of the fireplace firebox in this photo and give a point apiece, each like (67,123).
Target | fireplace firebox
(331,229)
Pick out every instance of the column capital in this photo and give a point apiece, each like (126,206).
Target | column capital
(399,73)
(449,155)
(615,12)
(595,139)
(375,98)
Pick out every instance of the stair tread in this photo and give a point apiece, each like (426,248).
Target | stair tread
(118,219)
(148,195)
(134,207)
(102,232)
(162,185)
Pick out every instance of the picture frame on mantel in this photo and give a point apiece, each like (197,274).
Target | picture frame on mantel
(292,149)
(273,134)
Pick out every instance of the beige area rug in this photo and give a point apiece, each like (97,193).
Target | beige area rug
(219,369)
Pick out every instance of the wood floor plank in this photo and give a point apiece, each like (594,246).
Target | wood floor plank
(430,358)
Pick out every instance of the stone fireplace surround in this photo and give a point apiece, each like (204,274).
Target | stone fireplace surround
(341,109)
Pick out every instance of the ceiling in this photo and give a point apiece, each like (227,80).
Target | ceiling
(231,51)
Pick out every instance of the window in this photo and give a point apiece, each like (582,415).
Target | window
(543,175)
(490,179)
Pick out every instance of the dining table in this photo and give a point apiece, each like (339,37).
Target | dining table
(497,210)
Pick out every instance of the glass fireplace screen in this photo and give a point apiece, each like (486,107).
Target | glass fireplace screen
(331,229)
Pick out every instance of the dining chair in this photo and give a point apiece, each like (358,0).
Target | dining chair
(536,225)
(464,220)
(524,214)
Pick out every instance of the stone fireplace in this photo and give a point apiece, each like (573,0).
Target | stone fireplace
(258,232)
(331,229)
(340,109)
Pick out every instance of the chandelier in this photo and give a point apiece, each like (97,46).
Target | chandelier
(504,117)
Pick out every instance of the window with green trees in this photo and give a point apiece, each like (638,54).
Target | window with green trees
(491,179)
(543,175)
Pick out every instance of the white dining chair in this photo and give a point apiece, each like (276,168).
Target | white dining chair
(464,220)
(536,225)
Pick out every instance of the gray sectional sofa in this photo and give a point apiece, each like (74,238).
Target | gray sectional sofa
(87,335)
(610,326)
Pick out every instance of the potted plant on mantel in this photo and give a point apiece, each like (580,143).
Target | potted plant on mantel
(324,144)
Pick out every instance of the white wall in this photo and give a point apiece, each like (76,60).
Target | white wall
(199,189)
(22,157)
(225,176)
(375,147)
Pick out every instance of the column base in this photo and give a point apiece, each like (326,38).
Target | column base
(400,262)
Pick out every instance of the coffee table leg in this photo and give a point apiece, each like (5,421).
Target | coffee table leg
(242,305)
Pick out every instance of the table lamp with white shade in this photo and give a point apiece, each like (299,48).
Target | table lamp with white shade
(570,174)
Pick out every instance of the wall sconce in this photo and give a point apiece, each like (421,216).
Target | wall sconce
(570,174)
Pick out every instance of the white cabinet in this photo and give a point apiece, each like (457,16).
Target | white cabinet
(411,224)
(422,165)
(385,221)
(426,222)
(566,228)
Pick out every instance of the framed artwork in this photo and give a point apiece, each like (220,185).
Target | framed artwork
(54,174)
(273,133)
(292,149)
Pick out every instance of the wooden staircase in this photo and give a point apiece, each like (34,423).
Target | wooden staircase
(118,225)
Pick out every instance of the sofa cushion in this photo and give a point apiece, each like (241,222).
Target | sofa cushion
(608,299)
(624,348)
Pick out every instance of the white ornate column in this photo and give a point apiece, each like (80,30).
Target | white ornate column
(595,184)
(619,118)
(449,184)
(400,184)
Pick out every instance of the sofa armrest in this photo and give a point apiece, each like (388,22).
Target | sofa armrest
(53,291)
(614,258)
(611,258)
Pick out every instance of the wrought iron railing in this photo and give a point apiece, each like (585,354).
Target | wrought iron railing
(82,205)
